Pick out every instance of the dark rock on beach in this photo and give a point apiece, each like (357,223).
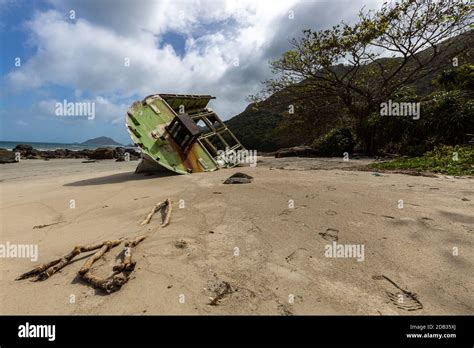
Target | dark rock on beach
(28,152)
(239,178)
(119,154)
(102,153)
(296,151)
(7,156)
(79,154)
(23,148)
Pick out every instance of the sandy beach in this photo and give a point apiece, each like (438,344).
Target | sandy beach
(266,239)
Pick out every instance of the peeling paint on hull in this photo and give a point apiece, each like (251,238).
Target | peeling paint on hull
(179,133)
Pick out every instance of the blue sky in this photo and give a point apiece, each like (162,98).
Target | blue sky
(212,47)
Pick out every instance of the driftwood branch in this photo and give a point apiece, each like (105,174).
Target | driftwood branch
(167,214)
(121,271)
(125,262)
(44,271)
(165,209)
(38,269)
(106,246)
(148,218)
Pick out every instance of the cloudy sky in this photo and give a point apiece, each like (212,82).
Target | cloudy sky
(113,52)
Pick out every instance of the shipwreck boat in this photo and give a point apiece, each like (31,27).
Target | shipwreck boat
(179,133)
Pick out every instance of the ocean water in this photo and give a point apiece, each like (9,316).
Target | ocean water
(9,145)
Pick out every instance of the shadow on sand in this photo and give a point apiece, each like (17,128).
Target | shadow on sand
(457,217)
(118,178)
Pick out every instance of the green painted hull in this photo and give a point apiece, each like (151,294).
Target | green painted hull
(186,147)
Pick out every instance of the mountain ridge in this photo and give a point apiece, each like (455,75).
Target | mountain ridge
(260,126)
(100,141)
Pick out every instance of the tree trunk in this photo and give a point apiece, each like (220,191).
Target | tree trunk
(364,134)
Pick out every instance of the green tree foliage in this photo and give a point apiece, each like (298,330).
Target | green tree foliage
(447,116)
(461,78)
(256,129)
(336,142)
(452,160)
(415,32)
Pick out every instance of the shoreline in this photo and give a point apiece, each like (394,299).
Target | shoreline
(26,151)
(47,146)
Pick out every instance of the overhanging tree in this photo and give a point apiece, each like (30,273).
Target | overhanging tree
(348,61)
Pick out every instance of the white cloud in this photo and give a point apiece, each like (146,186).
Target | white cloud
(87,55)
(106,110)
(21,123)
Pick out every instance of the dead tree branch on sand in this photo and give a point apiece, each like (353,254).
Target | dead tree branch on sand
(122,269)
(165,208)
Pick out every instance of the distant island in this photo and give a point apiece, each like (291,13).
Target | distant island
(101,141)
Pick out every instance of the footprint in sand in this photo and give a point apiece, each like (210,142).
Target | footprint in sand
(181,244)
(285,212)
(331,212)
(47,225)
(330,235)
(388,216)
(400,298)
(298,253)
(284,309)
